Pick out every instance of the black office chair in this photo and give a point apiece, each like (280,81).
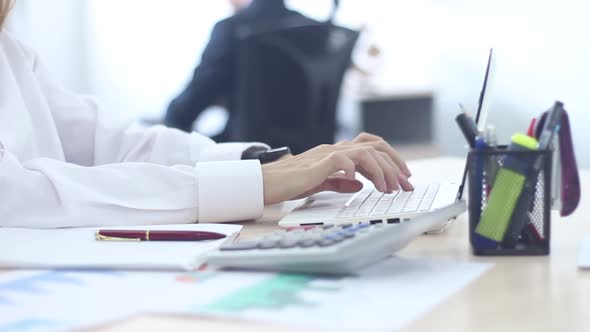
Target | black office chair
(289,81)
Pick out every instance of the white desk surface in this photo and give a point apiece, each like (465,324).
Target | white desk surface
(518,294)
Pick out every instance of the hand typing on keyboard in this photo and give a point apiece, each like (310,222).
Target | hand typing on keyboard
(333,168)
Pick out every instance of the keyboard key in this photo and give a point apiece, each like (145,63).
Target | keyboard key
(396,207)
(389,197)
(347,214)
(426,205)
(410,208)
(381,208)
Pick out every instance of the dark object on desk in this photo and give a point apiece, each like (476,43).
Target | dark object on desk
(468,128)
(540,203)
(551,127)
(570,178)
(289,83)
(214,79)
(148,235)
(399,118)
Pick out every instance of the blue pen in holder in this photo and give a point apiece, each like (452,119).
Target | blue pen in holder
(510,216)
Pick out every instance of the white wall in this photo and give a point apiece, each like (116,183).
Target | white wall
(56,30)
(543,54)
(142,53)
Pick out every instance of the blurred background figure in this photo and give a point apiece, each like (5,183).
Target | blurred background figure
(431,57)
(214,79)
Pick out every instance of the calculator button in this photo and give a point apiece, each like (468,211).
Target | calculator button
(326,243)
(347,235)
(333,237)
(242,245)
(351,229)
(289,242)
(307,242)
(268,243)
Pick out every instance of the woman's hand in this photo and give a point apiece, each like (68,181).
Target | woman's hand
(333,168)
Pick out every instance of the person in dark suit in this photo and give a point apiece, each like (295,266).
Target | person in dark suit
(214,78)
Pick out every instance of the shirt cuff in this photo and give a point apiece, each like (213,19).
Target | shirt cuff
(230,190)
(226,151)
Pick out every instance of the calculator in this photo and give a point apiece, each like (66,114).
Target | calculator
(328,249)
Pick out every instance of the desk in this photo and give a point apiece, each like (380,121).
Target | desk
(518,294)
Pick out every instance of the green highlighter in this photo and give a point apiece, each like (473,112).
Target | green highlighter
(507,188)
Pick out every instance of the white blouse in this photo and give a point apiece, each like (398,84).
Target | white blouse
(63,164)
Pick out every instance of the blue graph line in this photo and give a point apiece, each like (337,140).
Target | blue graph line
(28,325)
(36,284)
(33,284)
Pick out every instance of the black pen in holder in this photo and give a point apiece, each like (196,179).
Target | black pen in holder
(512,215)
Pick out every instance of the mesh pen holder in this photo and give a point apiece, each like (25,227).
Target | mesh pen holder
(509,201)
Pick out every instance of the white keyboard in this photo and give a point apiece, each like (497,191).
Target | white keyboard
(374,203)
(341,249)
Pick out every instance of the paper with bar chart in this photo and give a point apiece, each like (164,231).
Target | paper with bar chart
(59,300)
(62,300)
(408,288)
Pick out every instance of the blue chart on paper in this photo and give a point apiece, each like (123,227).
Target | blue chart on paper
(38,285)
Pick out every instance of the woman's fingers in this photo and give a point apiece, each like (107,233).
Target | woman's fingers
(342,185)
(338,184)
(360,159)
(380,145)
(394,155)
(314,170)
(391,171)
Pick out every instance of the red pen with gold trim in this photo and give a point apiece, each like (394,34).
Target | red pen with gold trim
(156,235)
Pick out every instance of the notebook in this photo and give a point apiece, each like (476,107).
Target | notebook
(77,248)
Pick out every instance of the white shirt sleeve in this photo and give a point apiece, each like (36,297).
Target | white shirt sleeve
(115,173)
(45,193)
(90,137)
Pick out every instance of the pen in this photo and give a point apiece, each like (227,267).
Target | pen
(492,162)
(149,235)
(531,130)
(476,179)
(467,126)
